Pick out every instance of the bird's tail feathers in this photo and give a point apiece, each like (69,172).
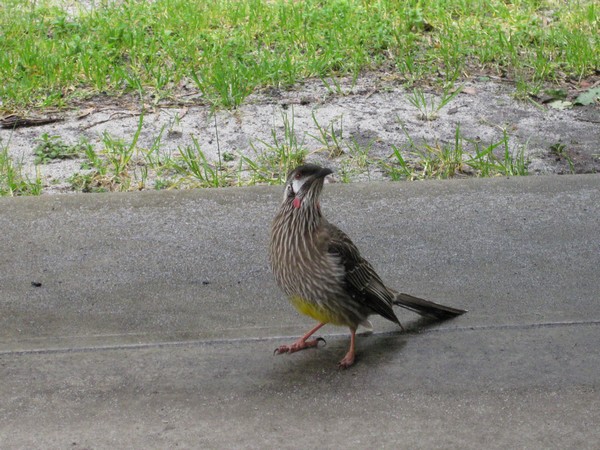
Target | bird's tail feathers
(425,307)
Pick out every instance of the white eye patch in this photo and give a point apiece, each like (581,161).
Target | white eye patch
(297,184)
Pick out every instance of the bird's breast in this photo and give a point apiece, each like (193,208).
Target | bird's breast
(301,264)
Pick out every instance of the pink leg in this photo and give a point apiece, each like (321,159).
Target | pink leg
(348,360)
(301,343)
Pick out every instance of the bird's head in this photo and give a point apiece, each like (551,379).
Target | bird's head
(304,184)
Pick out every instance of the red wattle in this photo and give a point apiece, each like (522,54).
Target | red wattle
(297,202)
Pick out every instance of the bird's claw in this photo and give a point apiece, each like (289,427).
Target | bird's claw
(281,349)
(320,339)
(347,361)
(299,345)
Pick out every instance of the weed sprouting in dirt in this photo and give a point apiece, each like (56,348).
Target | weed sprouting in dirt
(12,180)
(461,158)
(274,159)
(52,147)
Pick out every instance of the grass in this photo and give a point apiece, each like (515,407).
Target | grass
(428,107)
(12,180)
(460,158)
(273,160)
(123,165)
(169,50)
(226,50)
(498,159)
(115,170)
(561,152)
(196,170)
(330,137)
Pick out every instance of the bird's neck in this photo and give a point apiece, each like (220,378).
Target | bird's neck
(305,219)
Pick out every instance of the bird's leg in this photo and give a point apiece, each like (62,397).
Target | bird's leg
(301,343)
(348,360)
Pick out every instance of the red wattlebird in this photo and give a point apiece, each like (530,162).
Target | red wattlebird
(322,272)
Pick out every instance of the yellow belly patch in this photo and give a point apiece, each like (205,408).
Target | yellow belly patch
(315,311)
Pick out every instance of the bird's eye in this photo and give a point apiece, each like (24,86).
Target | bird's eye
(298,176)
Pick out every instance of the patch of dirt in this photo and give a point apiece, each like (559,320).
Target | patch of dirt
(373,113)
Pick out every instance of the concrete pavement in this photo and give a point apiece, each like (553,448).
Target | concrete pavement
(149,320)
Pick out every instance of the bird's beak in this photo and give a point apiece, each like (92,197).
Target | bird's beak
(319,177)
(324,172)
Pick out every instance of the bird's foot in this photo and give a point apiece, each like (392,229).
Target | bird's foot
(300,344)
(347,361)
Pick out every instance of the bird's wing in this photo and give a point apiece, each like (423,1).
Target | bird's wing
(362,282)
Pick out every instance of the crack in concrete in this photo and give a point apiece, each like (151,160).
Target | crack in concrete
(224,341)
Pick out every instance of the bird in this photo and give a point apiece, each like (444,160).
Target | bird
(322,272)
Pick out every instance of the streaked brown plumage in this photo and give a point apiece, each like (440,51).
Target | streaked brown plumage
(322,272)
